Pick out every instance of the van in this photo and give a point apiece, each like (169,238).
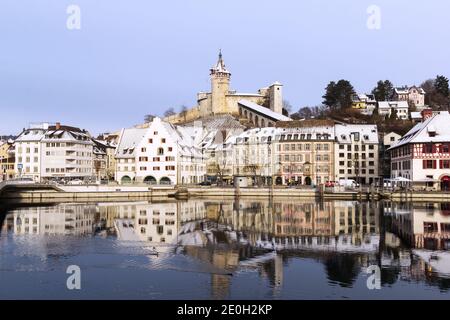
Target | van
(348,183)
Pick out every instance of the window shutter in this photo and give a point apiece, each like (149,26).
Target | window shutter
(434,164)
(441,164)
(424,164)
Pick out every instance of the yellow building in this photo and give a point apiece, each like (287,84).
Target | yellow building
(7,160)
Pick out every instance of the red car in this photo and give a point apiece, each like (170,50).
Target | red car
(330,184)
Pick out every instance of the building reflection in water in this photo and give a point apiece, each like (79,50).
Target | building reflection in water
(425,228)
(242,235)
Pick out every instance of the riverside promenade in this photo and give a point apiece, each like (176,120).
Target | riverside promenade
(45,193)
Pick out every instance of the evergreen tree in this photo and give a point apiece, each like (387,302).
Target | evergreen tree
(441,86)
(383,91)
(338,96)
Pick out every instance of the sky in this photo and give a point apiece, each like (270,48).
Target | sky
(131,58)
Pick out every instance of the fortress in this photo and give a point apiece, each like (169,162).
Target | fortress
(263,108)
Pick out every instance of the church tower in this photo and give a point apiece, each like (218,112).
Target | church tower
(220,86)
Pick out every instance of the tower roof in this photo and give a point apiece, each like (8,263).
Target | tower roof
(219,67)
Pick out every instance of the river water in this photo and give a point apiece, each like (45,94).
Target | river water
(224,249)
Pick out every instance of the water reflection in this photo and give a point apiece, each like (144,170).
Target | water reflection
(225,238)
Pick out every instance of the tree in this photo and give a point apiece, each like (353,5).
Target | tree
(287,108)
(183,112)
(338,96)
(437,92)
(441,86)
(169,112)
(302,113)
(383,91)
(149,118)
(393,115)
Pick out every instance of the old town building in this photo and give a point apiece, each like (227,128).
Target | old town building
(261,109)
(304,152)
(422,155)
(160,154)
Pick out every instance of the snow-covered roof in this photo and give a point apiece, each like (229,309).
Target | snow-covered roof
(219,67)
(416,115)
(393,104)
(129,139)
(368,133)
(256,135)
(264,111)
(31,135)
(421,133)
(407,90)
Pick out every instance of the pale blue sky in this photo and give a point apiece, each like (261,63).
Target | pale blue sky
(141,56)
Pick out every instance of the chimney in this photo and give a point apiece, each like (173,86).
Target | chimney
(58,126)
(426,113)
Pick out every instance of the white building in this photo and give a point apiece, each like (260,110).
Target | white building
(356,153)
(54,152)
(422,155)
(385,108)
(253,155)
(160,154)
(67,154)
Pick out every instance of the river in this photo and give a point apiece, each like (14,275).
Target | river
(225,249)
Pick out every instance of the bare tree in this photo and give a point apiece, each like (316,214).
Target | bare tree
(149,118)
(169,112)
(183,112)
(287,108)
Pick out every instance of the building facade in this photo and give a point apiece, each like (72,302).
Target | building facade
(160,154)
(413,95)
(304,152)
(385,108)
(7,160)
(356,153)
(422,155)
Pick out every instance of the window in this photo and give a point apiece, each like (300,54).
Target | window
(160,151)
(427,148)
(150,140)
(429,164)
(163,140)
(444,164)
(170,149)
(143,150)
(155,133)
(430,227)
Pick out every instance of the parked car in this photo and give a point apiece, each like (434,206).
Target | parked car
(75,182)
(330,184)
(204,183)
